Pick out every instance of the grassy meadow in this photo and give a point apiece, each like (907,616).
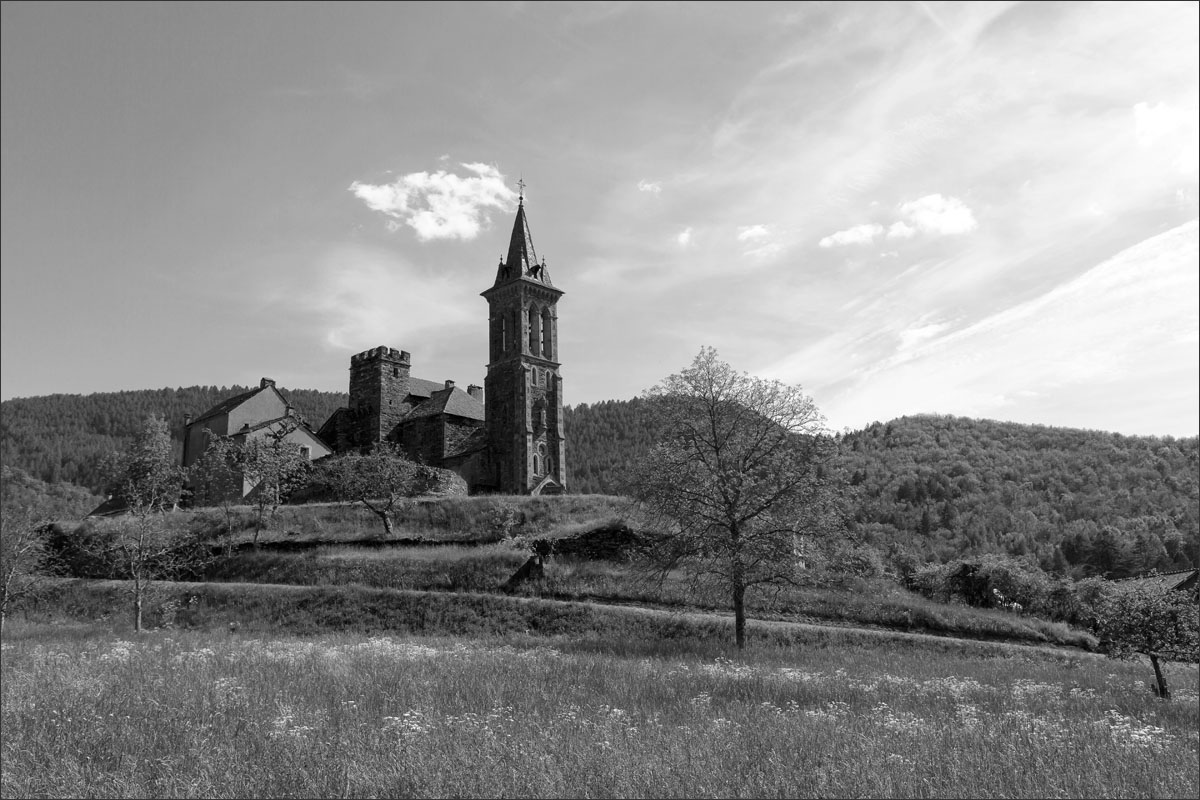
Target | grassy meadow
(359,668)
(88,712)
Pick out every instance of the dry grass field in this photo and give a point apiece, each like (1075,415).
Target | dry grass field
(92,713)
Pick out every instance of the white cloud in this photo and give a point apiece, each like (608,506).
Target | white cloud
(749,233)
(859,234)
(940,215)
(931,214)
(439,205)
(649,186)
(685,237)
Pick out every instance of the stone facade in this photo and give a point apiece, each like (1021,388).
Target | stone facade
(513,444)
(379,381)
(524,387)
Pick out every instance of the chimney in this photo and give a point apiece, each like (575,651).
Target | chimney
(265,382)
(449,384)
(476,392)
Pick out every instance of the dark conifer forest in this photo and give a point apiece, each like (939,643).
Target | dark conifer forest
(919,489)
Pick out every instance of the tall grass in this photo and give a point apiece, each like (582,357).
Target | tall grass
(218,715)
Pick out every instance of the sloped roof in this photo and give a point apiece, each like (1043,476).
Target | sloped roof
(225,406)
(268,423)
(453,401)
(419,387)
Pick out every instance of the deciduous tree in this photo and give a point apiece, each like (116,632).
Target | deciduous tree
(141,546)
(380,480)
(275,467)
(24,559)
(145,477)
(736,479)
(1141,617)
(216,479)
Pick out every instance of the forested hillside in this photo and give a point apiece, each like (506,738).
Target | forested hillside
(922,488)
(64,437)
(936,487)
(1103,503)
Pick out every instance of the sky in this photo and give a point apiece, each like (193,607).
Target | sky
(976,209)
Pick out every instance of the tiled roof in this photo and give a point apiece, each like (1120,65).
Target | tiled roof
(453,401)
(419,387)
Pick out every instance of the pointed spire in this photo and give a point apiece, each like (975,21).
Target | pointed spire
(522,260)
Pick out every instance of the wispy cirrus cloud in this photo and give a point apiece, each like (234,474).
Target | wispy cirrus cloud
(440,205)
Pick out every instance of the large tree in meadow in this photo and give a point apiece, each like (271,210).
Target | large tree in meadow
(380,480)
(1147,618)
(736,480)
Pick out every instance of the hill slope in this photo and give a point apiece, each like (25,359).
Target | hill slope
(924,487)
(933,487)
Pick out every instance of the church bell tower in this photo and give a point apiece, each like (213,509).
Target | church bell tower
(523,387)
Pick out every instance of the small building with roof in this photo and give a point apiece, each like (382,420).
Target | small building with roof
(256,414)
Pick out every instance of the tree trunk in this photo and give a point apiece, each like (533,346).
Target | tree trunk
(1161,690)
(387,525)
(138,593)
(739,615)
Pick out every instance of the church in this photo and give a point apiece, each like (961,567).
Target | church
(505,437)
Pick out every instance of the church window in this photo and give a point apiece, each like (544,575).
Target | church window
(535,331)
(547,334)
(395,372)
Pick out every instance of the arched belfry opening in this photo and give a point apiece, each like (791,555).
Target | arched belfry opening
(526,448)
